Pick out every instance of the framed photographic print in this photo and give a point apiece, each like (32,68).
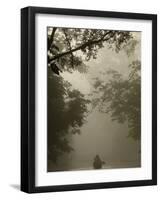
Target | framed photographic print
(88,99)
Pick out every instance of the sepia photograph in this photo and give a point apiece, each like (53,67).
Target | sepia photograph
(88,99)
(93,99)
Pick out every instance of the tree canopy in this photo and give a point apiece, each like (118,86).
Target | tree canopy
(121,97)
(71,47)
(67,109)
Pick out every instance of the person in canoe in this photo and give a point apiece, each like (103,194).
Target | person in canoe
(97,163)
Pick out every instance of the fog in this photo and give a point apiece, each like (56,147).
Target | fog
(99,134)
(108,140)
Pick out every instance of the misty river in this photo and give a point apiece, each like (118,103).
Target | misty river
(99,135)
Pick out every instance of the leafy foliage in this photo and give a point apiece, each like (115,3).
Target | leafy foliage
(67,110)
(72,47)
(121,98)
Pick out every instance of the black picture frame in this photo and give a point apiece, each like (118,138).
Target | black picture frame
(28,98)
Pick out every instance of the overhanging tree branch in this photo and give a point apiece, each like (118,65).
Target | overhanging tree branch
(83,46)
